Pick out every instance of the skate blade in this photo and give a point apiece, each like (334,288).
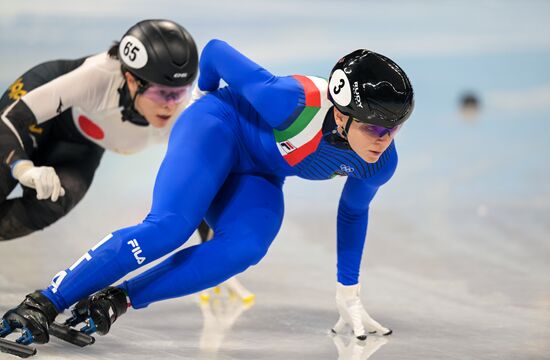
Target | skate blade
(13,348)
(70,335)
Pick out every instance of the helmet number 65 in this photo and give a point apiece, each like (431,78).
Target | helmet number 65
(131,51)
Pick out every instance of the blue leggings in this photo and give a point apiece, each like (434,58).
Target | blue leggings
(202,176)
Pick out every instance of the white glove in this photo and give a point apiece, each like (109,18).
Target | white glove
(353,313)
(42,178)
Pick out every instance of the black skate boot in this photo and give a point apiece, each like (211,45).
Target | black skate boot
(99,311)
(33,317)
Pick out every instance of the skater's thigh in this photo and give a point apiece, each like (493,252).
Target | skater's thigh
(248,207)
(201,153)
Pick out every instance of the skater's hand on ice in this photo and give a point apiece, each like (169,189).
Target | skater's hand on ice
(353,314)
(42,178)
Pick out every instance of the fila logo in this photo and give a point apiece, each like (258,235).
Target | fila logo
(180,75)
(346,168)
(136,250)
(287,146)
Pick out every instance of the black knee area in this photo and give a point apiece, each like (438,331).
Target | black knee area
(42,213)
(204,231)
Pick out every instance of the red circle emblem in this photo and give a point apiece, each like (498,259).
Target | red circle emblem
(90,128)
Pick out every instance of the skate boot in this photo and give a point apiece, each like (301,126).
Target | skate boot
(234,289)
(99,311)
(32,317)
(237,289)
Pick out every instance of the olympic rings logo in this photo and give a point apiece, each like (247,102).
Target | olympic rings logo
(346,168)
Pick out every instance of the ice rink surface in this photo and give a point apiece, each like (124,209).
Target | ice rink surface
(457,259)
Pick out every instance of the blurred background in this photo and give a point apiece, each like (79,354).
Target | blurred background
(457,260)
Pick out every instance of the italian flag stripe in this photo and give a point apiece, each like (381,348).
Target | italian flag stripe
(313,104)
(313,97)
(303,151)
(298,125)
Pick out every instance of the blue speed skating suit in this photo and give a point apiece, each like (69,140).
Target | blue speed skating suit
(226,161)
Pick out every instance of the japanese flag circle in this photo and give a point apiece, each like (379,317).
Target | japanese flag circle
(339,88)
(132,52)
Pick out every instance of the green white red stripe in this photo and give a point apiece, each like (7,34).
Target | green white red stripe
(303,135)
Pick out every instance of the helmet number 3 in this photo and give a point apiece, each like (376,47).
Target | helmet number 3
(132,52)
(339,88)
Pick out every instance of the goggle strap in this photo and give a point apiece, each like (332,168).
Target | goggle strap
(348,125)
(140,90)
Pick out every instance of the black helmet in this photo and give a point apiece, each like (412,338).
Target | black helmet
(371,88)
(160,52)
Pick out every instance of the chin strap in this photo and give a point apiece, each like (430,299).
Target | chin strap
(334,134)
(345,129)
(129,112)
